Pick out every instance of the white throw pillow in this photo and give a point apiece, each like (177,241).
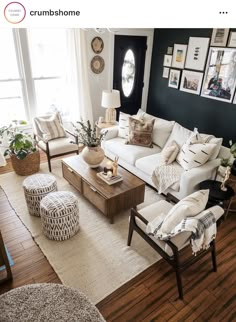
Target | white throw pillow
(123,131)
(187,207)
(123,125)
(195,155)
(212,139)
(169,153)
(179,134)
(51,127)
(162,128)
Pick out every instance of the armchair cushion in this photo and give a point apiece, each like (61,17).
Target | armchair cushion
(50,127)
(187,207)
(59,146)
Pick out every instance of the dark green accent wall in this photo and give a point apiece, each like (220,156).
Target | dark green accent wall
(208,115)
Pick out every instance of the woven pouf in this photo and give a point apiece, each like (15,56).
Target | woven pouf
(36,187)
(60,215)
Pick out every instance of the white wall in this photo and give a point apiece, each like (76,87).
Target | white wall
(99,82)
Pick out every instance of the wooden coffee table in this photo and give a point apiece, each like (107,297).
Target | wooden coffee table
(110,200)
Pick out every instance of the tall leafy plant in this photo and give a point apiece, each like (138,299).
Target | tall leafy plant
(87,135)
(20,144)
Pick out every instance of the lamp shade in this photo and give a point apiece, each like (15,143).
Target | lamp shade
(111,99)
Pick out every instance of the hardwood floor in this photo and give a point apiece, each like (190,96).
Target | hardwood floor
(151,296)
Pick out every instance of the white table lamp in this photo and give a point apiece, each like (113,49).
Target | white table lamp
(110,101)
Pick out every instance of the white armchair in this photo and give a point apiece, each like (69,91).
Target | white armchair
(55,147)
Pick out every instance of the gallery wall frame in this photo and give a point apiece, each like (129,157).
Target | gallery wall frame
(219,37)
(174,78)
(191,82)
(197,53)
(167,60)
(232,39)
(166,71)
(220,75)
(179,55)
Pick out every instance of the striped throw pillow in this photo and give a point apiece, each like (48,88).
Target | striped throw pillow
(51,127)
(123,125)
(195,155)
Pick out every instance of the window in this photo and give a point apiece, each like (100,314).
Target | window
(12,103)
(33,73)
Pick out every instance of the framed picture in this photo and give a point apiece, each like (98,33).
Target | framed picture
(220,75)
(191,82)
(197,53)
(179,55)
(174,78)
(169,50)
(165,72)
(232,39)
(167,60)
(219,37)
(97,45)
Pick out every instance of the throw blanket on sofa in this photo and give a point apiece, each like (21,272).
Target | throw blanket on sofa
(203,229)
(164,176)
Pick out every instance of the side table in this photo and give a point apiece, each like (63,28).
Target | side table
(103,125)
(216,195)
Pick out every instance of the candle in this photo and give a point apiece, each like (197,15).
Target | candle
(109,174)
(109,165)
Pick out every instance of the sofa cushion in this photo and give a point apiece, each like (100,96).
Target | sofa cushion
(187,207)
(61,145)
(129,153)
(161,130)
(179,134)
(140,132)
(149,163)
(194,155)
(169,153)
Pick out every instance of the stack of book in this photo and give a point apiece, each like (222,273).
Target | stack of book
(109,180)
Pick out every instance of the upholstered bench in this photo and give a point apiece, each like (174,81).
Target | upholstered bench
(60,215)
(35,188)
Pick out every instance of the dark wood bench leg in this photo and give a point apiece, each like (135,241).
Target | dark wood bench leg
(131,229)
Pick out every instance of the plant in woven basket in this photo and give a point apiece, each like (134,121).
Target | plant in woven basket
(20,144)
(21,148)
(87,135)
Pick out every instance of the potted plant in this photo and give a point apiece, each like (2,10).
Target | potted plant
(233,152)
(21,149)
(92,152)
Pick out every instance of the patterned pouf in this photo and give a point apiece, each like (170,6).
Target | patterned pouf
(36,187)
(60,215)
(49,303)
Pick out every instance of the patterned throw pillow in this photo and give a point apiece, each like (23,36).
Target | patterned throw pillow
(51,127)
(123,125)
(195,155)
(169,153)
(140,132)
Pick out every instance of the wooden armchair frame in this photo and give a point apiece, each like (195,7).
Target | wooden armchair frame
(4,261)
(47,150)
(173,260)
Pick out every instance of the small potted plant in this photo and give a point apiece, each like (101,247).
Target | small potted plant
(92,152)
(21,148)
(233,152)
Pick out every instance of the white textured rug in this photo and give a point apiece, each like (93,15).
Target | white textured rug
(96,260)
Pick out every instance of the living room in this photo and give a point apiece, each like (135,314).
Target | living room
(72,80)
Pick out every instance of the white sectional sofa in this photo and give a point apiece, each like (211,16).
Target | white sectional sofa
(142,161)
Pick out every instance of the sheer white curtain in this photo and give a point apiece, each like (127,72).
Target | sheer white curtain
(77,82)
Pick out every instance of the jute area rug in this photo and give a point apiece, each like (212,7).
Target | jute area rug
(96,260)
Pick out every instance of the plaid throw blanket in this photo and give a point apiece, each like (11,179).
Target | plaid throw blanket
(202,228)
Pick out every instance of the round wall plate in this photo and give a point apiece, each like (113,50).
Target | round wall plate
(97,64)
(97,45)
